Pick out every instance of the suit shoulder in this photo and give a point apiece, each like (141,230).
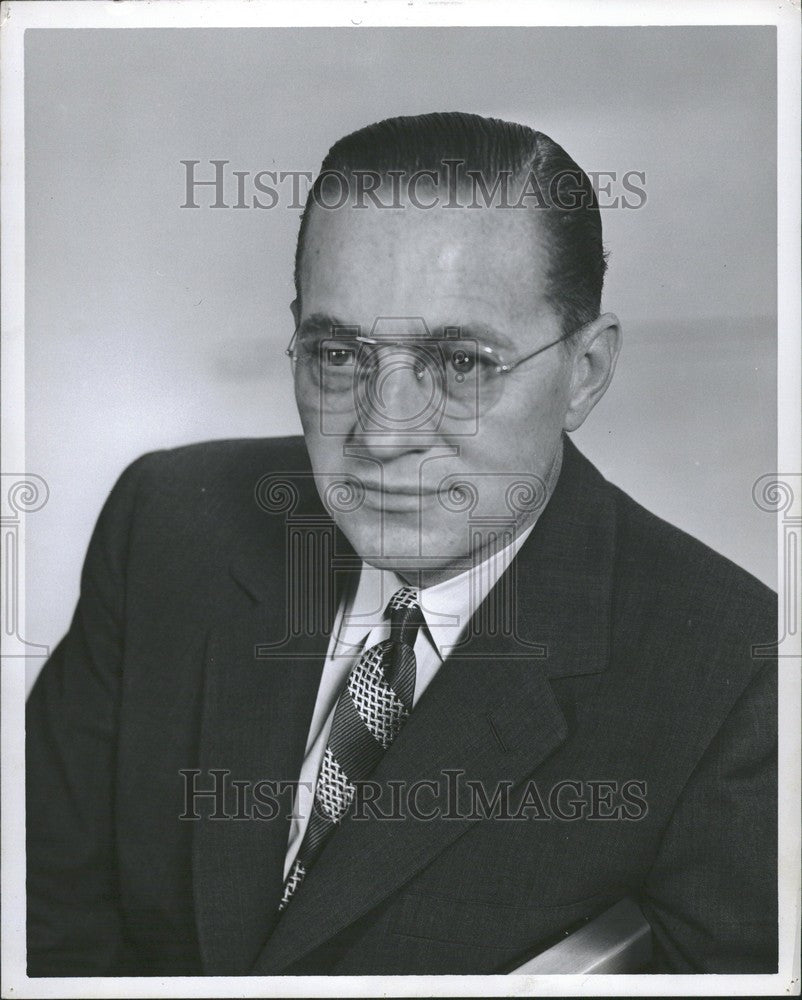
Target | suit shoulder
(280,452)
(684,574)
(195,505)
(217,463)
(214,485)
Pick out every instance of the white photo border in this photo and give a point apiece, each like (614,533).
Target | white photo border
(17,17)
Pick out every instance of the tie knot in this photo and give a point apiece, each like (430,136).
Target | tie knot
(405,616)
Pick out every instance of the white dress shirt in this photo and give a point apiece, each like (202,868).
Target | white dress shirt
(447,608)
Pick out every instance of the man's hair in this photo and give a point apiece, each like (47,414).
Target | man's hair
(488,148)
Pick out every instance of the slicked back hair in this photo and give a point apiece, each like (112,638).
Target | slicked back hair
(560,191)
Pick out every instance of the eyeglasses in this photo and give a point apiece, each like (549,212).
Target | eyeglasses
(454,377)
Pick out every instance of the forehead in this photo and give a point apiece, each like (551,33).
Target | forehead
(451,266)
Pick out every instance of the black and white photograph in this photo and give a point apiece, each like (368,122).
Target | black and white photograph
(401,498)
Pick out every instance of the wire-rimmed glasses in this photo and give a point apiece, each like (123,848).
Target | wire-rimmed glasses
(452,376)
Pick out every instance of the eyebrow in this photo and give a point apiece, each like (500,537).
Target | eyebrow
(322,324)
(483,332)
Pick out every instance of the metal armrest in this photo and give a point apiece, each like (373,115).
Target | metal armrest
(617,941)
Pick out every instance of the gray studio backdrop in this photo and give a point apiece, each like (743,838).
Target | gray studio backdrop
(150,326)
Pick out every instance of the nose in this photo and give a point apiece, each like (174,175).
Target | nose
(399,404)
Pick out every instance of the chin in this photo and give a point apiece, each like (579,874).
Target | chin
(405,545)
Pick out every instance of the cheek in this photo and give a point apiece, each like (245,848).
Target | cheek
(304,412)
(520,436)
(325,455)
(522,417)
(542,406)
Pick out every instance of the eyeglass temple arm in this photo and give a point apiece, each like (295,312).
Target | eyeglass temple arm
(514,364)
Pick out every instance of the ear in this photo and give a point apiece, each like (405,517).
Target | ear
(593,362)
(295,310)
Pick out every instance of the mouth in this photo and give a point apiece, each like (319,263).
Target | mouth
(401,499)
(403,489)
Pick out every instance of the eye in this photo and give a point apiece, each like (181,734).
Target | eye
(338,357)
(463,360)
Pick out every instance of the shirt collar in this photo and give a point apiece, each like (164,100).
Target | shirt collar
(447,606)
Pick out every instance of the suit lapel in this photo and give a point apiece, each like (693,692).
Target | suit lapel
(262,671)
(490,714)
(256,714)
(467,724)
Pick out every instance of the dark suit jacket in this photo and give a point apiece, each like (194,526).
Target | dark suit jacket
(630,660)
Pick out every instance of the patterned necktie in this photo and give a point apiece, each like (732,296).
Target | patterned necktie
(373,706)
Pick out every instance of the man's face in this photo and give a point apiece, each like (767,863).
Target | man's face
(480,270)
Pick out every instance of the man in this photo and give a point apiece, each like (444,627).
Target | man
(422,692)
